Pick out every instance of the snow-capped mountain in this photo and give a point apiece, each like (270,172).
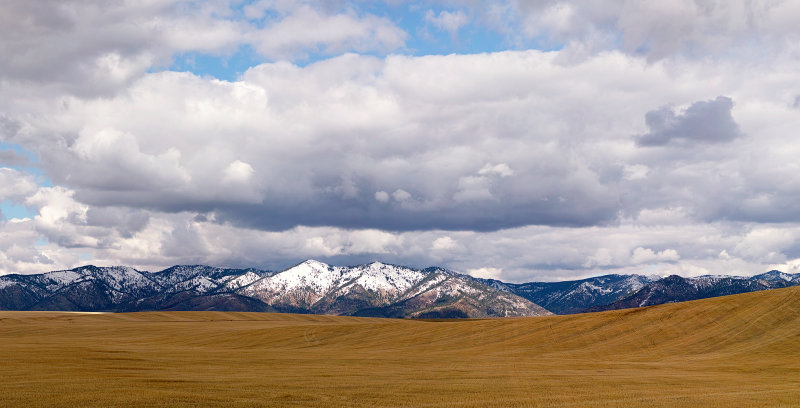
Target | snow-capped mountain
(576,296)
(118,288)
(374,289)
(315,285)
(678,289)
(773,276)
(379,289)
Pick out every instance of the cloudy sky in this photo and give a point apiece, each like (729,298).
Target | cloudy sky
(521,140)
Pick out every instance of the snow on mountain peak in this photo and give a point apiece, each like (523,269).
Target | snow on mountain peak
(315,264)
(311,281)
(381,277)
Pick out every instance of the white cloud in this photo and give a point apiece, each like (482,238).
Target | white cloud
(443,244)
(450,21)
(601,257)
(332,133)
(635,171)
(765,243)
(501,170)
(401,195)
(307,30)
(60,218)
(485,273)
(790,266)
(382,196)
(646,255)
(99,47)
(15,185)
(238,172)
(688,28)
(520,254)
(523,160)
(471,189)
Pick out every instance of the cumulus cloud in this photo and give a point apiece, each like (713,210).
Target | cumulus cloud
(518,161)
(98,47)
(322,139)
(60,218)
(602,257)
(78,234)
(486,272)
(12,158)
(15,185)
(306,30)
(471,189)
(443,243)
(501,170)
(382,196)
(472,142)
(635,171)
(702,122)
(766,243)
(238,172)
(646,255)
(657,30)
(401,195)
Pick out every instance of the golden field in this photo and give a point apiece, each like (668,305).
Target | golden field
(734,351)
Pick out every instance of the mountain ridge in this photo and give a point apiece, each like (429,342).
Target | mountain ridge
(675,288)
(308,287)
(375,289)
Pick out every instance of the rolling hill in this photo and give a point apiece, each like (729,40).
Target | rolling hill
(740,350)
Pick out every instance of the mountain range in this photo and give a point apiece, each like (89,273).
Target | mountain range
(678,289)
(375,289)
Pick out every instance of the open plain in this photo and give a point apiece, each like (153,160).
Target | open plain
(741,350)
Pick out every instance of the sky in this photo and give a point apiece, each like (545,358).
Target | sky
(517,140)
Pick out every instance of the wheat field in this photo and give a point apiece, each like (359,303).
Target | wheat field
(734,351)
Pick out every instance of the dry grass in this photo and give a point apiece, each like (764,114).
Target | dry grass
(741,350)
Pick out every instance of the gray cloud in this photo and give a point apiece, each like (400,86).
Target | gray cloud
(272,154)
(477,142)
(656,30)
(517,163)
(125,221)
(8,127)
(703,122)
(12,158)
(97,47)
